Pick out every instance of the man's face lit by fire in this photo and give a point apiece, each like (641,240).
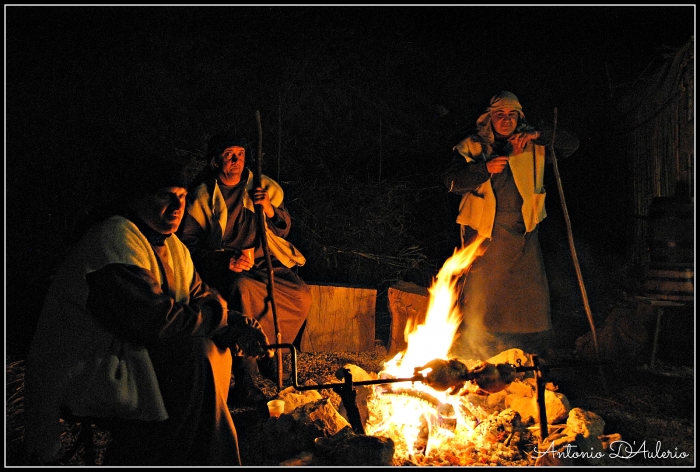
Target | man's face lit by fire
(504,121)
(231,164)
(163,210)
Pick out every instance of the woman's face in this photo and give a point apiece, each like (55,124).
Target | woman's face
(504,121)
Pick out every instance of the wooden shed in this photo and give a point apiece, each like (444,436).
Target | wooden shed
(654,129)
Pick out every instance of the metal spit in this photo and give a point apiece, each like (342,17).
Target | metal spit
(455,375)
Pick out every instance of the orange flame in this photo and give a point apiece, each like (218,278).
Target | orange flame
(404,416)
(433,339)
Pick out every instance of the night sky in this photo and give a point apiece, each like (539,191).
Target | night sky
(86,85)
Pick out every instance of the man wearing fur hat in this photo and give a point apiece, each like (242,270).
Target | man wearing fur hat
(219,225)
(499,171)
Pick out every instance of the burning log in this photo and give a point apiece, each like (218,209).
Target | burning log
(500,440)
(417,394)
(348,448)
(502,427)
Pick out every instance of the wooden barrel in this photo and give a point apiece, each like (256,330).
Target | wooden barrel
(669,281)
(671,234)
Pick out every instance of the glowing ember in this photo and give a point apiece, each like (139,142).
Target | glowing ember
(428,426)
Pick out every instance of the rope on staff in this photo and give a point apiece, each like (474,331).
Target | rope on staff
(262,235)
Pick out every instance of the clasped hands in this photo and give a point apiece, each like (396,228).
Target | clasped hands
(518,141)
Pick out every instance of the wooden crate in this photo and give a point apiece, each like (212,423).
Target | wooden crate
(341,319)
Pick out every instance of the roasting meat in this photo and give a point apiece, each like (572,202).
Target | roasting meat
(453,374)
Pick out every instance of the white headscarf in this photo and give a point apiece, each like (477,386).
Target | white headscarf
(501,100)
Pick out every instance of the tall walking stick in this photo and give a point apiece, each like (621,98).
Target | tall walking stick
(572,246)
(262,235)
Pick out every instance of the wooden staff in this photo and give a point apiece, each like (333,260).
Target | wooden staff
(573,247)
(262,235)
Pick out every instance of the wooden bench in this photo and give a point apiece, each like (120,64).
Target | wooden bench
(341,319)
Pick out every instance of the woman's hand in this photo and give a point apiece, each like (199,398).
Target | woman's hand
(497,164)
(520,140)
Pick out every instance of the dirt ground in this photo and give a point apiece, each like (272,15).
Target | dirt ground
(650,409)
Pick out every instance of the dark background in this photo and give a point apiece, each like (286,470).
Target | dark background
(360,108)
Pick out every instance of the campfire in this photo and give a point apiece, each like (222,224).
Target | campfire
(425,408)
(442,424)
(388,414)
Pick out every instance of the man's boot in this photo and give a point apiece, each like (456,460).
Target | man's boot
(245,392)
(267,366)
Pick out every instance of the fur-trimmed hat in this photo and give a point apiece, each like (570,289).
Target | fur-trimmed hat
(222,141)
(158,171)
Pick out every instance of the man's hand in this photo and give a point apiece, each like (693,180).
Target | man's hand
(241,262)
(245,337)
(260,197)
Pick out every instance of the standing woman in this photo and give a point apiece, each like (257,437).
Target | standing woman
(499,171)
